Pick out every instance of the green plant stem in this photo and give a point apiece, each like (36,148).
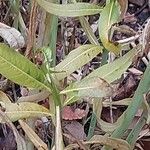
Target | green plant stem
(55,94)
(104,57)
(58,131)
(53,38)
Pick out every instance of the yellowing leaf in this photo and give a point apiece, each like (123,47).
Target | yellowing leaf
(70,10)
(16,111)
(91,87)
(4,98)
(115,143)
(109,15)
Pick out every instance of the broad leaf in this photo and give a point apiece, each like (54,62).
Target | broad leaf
(109,15)
(92,87)
(70,10)
(76,59)
(16,111)
(19,69)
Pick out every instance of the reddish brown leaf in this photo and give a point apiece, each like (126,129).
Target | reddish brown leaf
(69,114)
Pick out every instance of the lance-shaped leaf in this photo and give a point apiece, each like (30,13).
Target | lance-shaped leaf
(16,111)
(88,30)
(109,15)
(70,10)
(76,59)
(19,69)
(109,72)
(91,87)
(113,71)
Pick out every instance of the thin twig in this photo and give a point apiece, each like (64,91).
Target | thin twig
(32,30)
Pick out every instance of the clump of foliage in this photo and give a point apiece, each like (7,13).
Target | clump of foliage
(48,78)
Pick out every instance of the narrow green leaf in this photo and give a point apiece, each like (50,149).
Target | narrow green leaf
(133,136)
(16,111)
(49,36)
(53,37)
(70,10)
(76,59)
(54,89)
(114,70)
(19,69)
(109,15)
(136,102)
(88,30)
(92,126)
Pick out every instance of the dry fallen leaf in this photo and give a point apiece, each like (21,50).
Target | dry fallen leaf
(38,143)
(124,7)
(69,114)
(76,130)
(12,36)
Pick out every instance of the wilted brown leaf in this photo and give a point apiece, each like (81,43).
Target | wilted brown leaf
(76,130)
(72,114)
(12,36)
